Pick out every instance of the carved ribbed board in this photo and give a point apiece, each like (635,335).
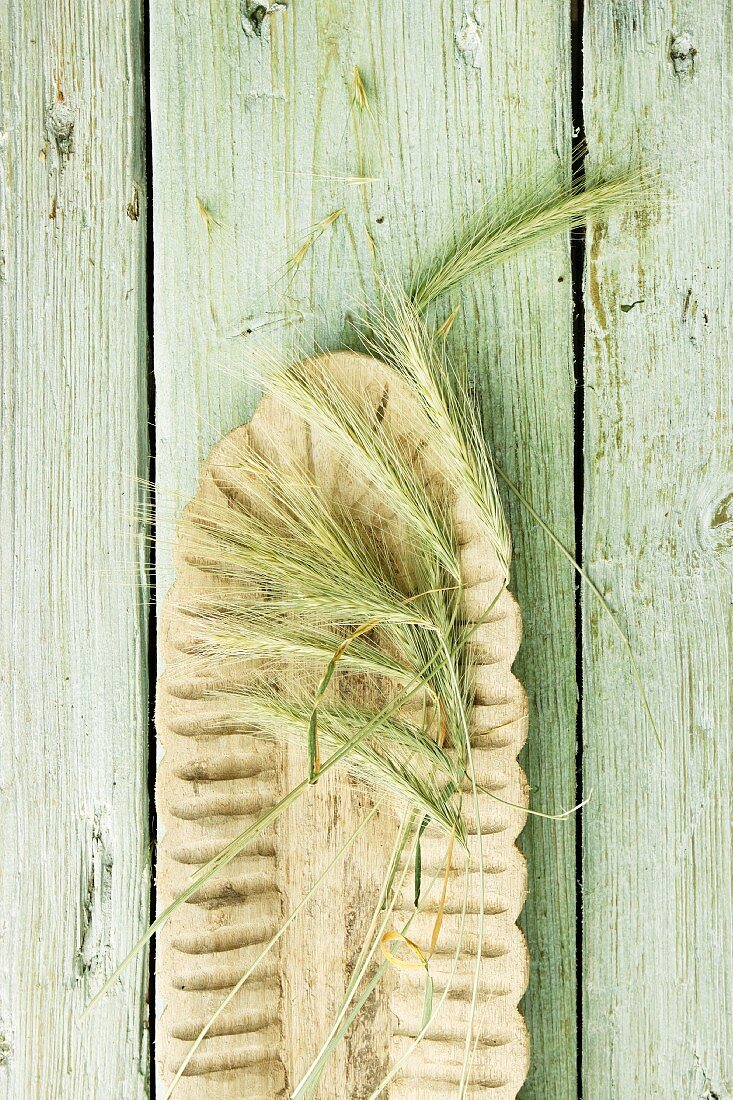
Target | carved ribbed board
(213,780)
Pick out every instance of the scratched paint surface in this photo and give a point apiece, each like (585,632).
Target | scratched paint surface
(260,134)
(253,132)
(658,874)
(73,808)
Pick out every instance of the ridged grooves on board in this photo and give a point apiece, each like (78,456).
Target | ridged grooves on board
(214,779)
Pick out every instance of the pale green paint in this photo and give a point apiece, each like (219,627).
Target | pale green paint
(658,873)
(251,126)
(73,698)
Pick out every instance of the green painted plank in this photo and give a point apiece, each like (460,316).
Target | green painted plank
(658,877)
(256,127)
(73,804)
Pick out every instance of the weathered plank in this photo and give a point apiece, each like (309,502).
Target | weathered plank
(75,874)
(658,878)
(252,126)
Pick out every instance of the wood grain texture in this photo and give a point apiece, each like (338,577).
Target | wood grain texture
(75,871)
(217,775)
(658,877)
(256,126)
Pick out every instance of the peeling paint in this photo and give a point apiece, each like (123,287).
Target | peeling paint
(93,954)
(255,15)
(133,207)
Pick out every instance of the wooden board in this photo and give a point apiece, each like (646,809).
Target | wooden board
(75,871)
(253,127)
(658,876)
(218,774)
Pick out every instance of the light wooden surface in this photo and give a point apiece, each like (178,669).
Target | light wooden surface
(252,127)
(658,874)
(75,869)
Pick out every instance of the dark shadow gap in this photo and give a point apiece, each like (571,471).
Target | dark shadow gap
(577,267)
(151,563)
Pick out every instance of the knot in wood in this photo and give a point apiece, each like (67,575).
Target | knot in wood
(61,129)
(682,54)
